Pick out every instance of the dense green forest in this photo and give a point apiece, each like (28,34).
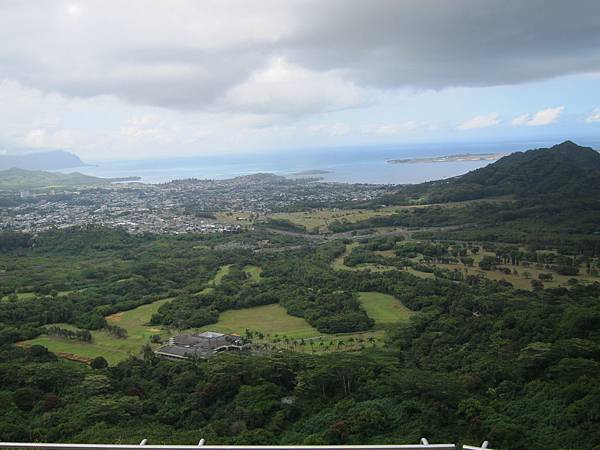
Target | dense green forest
(479,358)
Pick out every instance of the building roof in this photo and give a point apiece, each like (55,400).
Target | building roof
(199,345)
(176,351)
(210,334)
(186,340)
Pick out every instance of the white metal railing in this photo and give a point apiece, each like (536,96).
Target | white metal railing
(422,445)
(484,446)
(47,446)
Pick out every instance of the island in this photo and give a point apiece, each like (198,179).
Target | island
(461,157)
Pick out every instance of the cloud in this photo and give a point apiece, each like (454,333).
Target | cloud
(43,138)
(594,116)
(336,129)
(189,55)
(543,117)
(392,129)
(485,121)
(143,120)
(284,88)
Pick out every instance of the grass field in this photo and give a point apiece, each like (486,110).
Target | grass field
(30,295)
(338,263)
(418,273)
(520,281)
(23,296)
(223,270)
(113,349)
(271,320)
(318,220)
(268,319)
(254,272)
(383,308)
(277,325)
(232,217)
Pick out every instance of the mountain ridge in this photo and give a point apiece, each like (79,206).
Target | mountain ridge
(48,160)
(563,170)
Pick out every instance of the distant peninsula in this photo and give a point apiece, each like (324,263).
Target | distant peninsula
(461,157)
(50,160)
(310,172)
(16,179)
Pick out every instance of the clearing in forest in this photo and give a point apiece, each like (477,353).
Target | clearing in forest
(253,272)
(383,308)
(135,321)
(268,319)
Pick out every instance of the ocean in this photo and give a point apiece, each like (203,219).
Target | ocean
(346,165)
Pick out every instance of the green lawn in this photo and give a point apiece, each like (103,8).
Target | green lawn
(254,272)
(519,280)
(338,263)
(22,296)
(383,308)
(418,273)
(223,270)
(318,219)
(30,295)
(272,320)
(113,349)
(268,319)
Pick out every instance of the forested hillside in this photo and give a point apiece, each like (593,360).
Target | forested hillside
(17,179)
(564,171)
(548,197)
(479,359)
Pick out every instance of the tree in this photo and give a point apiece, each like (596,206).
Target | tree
(25,398)
(537,285)
(99,363)
(487,263)
(545,277)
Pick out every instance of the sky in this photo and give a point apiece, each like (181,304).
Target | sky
(114,80)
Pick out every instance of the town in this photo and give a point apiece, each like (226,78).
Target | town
(177,207)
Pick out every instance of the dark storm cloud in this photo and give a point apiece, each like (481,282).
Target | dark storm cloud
(440,43)
(191,54)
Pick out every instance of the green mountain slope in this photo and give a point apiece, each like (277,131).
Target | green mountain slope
(18,179)
(567,168)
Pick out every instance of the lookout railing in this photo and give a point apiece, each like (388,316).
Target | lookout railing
(423,444)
